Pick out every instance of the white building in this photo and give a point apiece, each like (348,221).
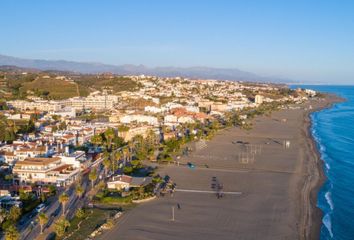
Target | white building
(45,171)
(153,109)
(151,120)
(40,105)
(77,159)
(95,101)
(68,112)
(258,99)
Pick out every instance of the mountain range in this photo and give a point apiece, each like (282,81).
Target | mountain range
(127,69)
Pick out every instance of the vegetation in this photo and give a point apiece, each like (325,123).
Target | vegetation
(101,82)
(29,200)
(79,190)
(80,213)
(114,199)
(61,225)
(12,233)
(50,88)
(63,199)
(84,226)
(8,129)
(93,176)
(9,218)
(42,219)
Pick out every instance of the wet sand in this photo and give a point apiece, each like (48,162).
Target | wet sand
(272,189)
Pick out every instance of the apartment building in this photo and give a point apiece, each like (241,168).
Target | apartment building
(93,101)
(45,171)
(39,105)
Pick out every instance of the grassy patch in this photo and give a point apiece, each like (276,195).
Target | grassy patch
(101,198)
(53,88)
(94,219)
(117,84)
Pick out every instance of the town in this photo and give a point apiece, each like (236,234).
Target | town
(72,142)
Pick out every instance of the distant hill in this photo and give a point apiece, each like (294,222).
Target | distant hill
(88,67)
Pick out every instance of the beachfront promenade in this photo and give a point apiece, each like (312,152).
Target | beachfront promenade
(266,188)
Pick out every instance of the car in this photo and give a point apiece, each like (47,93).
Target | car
(40,207)
(190,165)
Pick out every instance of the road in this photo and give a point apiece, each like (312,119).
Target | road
(30,229)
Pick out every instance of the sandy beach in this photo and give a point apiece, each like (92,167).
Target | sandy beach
(270,190)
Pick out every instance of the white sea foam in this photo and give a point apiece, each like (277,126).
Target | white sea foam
(328,224)
(328,197)
(322,148)
(327,166)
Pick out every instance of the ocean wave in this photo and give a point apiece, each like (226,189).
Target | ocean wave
(332,129)
(328,197)
(322,148)
(328,224)
(328,167)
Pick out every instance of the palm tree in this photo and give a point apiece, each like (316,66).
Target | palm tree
(63,199)
(43,219)
(107,163)
(109,135)
(93,176)
(97,139)
(79,191)
(118,155)
(125,154)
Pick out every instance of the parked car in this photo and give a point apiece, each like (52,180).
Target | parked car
(40,207)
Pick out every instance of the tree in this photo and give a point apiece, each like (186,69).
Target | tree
(118,142)
(12,233)
(152,139)
(9,177)
(126,155)
(97,139)
(62,126)
(93,176)
(63,199)
(109,134)
(14,213)
(52,189)
(3,215)
(118,155)
(60,226)
(80,213)
(79,191)
(8,129)
(43,219)
(107,163)
(128,170)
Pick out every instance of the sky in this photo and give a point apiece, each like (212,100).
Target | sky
(303,40)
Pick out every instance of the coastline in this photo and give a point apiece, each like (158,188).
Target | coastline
(312,216)
(286,181)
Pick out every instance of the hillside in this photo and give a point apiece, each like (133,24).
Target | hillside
(51,87)
(88,67)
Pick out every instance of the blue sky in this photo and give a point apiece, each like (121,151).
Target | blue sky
(302,40)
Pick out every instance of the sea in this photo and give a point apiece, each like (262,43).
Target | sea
(333,130)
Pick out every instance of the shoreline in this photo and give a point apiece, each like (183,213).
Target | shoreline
(312,216)
(287,181)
